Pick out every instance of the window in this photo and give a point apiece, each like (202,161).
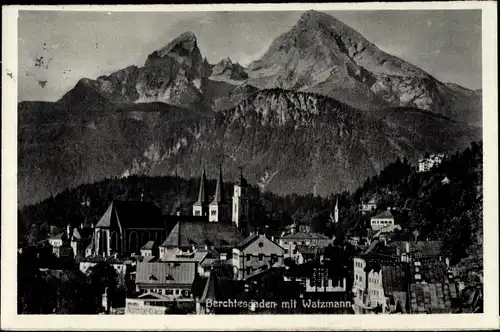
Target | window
(169,292)
(213,212)
(417,276)
(248,257)
(286,251)
(176,292)
(261,257)
(197,212)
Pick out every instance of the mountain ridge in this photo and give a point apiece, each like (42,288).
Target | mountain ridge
(164,117)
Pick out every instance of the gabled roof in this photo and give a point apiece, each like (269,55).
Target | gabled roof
(247,241)
(58,236)
(82,233)
(130,214)
(384,215)
(150,245)
(165,273)
(186,234)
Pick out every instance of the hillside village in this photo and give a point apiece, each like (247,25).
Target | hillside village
(408,241)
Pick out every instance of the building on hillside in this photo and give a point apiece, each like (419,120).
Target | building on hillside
(253,253)
(382,220)
(445,180)
(368,206)
(291,241)
(241,202)
(126,226)
(426,164)
(188,237)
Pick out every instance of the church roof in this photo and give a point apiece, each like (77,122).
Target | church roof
(202,194)
(219,197)
(132,214)
(185,234)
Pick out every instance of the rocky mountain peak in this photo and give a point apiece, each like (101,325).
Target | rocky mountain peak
(183,45)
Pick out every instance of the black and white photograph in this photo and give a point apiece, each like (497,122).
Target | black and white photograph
(296,161)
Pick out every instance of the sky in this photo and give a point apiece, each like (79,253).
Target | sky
(446,44)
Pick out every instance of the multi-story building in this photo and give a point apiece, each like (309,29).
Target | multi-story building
(254,253)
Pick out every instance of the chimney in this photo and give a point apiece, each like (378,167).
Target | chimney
(81,225)
(68,231)
(398,251)
(272,238)
(407,244)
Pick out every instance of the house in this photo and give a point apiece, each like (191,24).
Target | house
(445,180)
(149,249)
(161,283)
(382,221)
(291,241)
(369,205)
(315,277)
(427,163)
(127,226)
(255,252)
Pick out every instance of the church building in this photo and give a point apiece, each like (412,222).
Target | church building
(219,210)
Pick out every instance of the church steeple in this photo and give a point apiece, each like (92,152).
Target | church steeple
(219,190)
(219,210)
(202,194)
(200,208)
